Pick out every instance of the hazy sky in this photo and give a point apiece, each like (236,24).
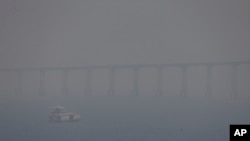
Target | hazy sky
(84,32)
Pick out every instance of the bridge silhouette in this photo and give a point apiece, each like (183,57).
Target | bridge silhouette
(136,70)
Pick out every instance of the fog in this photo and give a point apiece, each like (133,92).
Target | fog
(86,33)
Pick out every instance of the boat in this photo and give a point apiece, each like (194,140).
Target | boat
(59,115)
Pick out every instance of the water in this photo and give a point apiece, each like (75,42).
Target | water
(122,119)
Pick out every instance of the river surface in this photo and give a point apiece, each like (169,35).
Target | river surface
(123,119)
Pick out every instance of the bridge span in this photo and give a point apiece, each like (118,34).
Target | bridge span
(136,70)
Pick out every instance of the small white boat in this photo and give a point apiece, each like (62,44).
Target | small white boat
(58,115)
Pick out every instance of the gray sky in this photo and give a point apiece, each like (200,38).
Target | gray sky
(83,32)
(54,33)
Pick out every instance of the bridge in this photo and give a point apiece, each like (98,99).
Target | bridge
(112,69)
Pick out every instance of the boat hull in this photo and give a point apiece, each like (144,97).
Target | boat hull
(64,117)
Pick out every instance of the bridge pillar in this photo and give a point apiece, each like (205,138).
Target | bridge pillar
(234,94)
(184,80)
(135,90)
(19,90)
(209,81)
(111,89)
(88,90)
(42,83)
(65,87)
(159,81)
